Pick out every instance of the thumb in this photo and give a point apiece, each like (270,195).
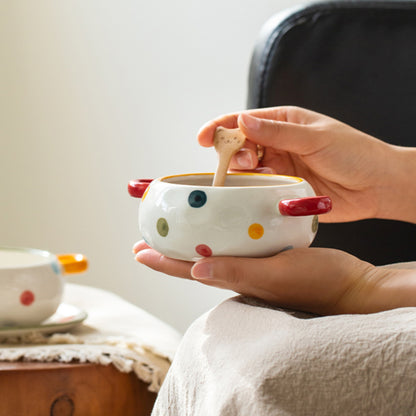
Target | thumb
(281,135)
(227,273)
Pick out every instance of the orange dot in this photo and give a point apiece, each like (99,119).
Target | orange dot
(255,231)
(145,193)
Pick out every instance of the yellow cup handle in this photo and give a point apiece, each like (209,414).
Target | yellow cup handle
(73,263)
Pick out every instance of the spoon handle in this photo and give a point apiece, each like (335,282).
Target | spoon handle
(222,168)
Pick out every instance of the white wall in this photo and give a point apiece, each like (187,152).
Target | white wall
(94,93)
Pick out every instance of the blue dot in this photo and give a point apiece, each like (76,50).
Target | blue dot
(56,267)
(286,249)
(197,199)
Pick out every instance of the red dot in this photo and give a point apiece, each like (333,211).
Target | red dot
(27,298)
(203,250)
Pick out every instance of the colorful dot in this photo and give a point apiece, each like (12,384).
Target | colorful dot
(145,193)
(203,250)
(315,223)
(197,199)
(56,267)
(286,249)
(27,298)
(255,231)
(162,227)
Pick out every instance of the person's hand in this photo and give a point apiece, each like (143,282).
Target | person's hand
(365,177)
(318,280)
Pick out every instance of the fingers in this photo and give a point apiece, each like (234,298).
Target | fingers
(140,245)
(163,264)
(230,121)
(246,158)
(280,129)
(281,135)
(260,169)
(249,276)
(289,114)
(309,279)
(156,261)
(206,133)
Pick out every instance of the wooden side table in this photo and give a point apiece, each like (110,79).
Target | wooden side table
(74,389)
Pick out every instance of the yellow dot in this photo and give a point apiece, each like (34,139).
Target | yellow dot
(145,193)
(255,231)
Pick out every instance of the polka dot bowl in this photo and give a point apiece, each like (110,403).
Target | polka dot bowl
(253,215)
(31,283)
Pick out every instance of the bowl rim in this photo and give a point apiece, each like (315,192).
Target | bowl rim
(47,255)
(291,180)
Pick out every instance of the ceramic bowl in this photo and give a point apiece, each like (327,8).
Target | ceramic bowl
(253,215)
(31,283)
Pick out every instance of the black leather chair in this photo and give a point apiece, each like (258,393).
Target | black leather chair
(354,61)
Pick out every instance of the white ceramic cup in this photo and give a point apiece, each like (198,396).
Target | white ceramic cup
(253,215)
(31,283)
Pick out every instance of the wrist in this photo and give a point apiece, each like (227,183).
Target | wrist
(397,187)
(391,288)
(379,288)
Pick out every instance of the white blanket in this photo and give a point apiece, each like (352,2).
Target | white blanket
(245,358)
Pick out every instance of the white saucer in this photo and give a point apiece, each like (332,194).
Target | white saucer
(65,317)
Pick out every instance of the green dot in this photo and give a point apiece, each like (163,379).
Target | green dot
(162,227)
(315,223)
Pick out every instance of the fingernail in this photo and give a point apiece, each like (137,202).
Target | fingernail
(202,270)
(138,257)
(245,159)
(250,122)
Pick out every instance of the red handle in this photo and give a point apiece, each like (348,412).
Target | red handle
(314,205)
(138,187)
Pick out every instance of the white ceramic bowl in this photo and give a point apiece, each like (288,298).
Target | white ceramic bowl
(253,215)
(31,283)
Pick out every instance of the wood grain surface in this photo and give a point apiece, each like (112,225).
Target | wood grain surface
(74,389)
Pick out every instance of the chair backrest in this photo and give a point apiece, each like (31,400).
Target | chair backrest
(354,61)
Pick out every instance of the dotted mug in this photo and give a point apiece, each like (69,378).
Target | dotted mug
(253,215)
(31,283)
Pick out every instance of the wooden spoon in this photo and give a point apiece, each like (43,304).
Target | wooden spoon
(227,143)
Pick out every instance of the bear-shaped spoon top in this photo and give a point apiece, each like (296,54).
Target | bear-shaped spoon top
(227,143)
